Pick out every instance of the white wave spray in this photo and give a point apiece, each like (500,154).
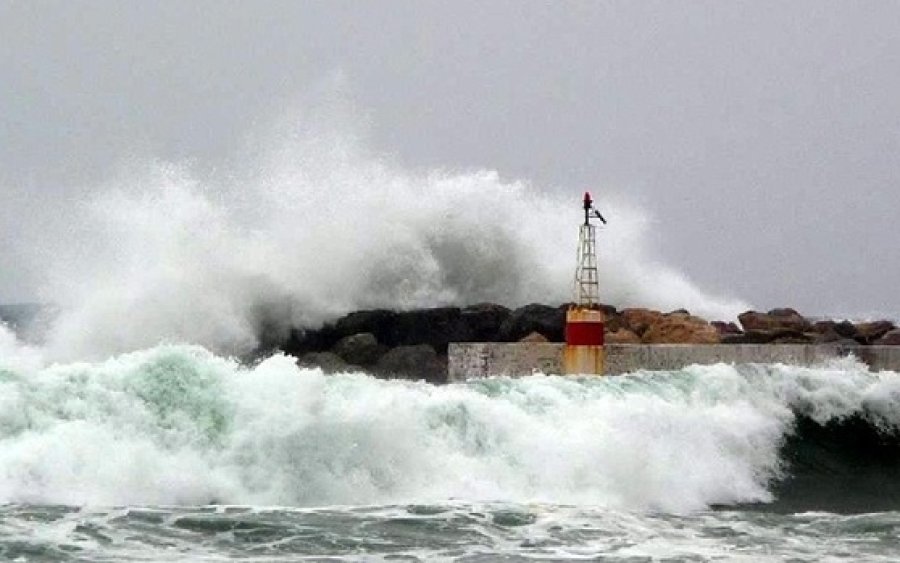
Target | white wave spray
(316,226)
(178,425)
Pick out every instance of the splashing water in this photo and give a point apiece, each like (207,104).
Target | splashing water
(316,227)
(178,425)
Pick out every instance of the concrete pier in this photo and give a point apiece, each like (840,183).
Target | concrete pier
(484,359)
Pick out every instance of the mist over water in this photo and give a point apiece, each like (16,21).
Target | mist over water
(313,225)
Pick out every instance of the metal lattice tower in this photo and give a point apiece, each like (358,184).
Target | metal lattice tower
(587,282)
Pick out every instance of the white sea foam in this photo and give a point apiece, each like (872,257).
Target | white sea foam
(178,425)
(16,355)
(316,226)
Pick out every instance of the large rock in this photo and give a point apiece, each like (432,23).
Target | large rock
(412,362)
(484,321)
(824,332)
(798,338)
(549,321)
(638,320)
(680,329)
(534,337)
(891,338)
(846,329)
(382,323)
(762,337)
(828,331)
(724,328)
(776,319)
(436,327)
(360,349)
(301,341)
(613,322)
(329,362)
(867,333)
(621,336)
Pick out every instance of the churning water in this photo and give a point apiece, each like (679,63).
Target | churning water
(174,453)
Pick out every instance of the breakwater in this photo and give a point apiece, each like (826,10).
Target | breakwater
(472,360)
(416,344)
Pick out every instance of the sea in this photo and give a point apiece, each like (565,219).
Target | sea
(175,453)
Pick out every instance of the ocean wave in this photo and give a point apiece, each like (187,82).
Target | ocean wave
(312,227)
(180,425)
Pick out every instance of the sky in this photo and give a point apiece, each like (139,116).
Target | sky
(763,138)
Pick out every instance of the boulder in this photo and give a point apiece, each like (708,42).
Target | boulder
(846,329)
(361,349)
(824,332)
(608,310)
(793,337)
(301,341)
(415,362)
(549,321)
(725,328)
(613,322)
(329,362)
(638,320)
(382,323)
(621,336)
(436,327)
(867,333)
(756,336)
(680,329)
(484,321)
(832,331)
(825,337)
(534,337)
(776,319)
(891,338)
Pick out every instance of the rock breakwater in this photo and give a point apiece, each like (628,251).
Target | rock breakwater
(413,344)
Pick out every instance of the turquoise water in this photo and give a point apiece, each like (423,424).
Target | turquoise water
(174,453)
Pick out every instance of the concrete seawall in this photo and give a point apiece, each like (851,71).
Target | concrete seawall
(484,359)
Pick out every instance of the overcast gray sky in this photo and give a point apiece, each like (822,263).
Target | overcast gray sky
(764,137)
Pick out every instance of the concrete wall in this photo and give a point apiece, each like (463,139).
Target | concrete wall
(471,360)
(484,359)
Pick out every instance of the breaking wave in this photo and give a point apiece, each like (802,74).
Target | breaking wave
(312,226)
(180,425)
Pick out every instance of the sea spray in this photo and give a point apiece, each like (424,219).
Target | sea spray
(15,355)
(314,227)
(179,425)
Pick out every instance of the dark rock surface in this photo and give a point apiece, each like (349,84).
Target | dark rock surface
(329,362)
(724,328)
(413,344)
(419,361)
(543,319)
(776,319)
(868,333)
(361,349)
(891,338)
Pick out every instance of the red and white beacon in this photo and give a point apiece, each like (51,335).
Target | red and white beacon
(583,354)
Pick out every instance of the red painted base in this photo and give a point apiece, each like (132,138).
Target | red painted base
(584,334)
